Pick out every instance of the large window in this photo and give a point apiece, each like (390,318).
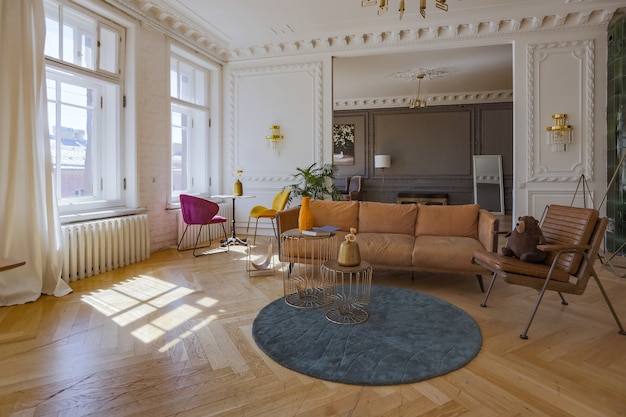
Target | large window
(84,81)
(190,121)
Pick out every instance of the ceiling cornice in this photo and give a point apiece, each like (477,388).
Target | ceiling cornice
(185,31)
(433,100)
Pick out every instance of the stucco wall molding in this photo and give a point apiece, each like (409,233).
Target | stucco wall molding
(578,160)
(312,70)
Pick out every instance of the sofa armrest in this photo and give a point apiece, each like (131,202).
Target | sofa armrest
(287,219)
(488,225)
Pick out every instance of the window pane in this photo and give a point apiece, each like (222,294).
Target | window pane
(186,82)
(52,117)
(180,149)
(70,118)
(173,78)
(108,49)
(76,164)
(200,88)
(79,35)
(52,31)
(77,95)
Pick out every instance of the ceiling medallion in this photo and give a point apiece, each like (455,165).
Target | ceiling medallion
(416,76)
(427,74)
(383,6)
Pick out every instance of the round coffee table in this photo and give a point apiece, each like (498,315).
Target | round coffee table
(347,292)
(302,280)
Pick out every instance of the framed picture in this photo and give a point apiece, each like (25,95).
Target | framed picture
(343,144)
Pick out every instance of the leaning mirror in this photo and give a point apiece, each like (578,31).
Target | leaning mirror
(488,185)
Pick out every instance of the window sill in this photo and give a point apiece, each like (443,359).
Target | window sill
(98,215)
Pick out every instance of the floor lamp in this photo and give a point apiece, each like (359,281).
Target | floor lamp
(382,162)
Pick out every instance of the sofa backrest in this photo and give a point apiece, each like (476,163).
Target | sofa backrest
(387,218)
(408,219)
(459,220)
(342,214)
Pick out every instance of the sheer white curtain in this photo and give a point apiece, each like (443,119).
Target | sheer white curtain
(29,225)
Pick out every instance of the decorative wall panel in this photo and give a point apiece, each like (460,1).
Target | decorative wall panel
(264,96)
(552,90)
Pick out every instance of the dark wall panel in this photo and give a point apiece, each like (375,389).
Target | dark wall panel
(423,143)
(431,149)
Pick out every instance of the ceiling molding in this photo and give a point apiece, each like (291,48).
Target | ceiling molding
(433,100)
(170,22)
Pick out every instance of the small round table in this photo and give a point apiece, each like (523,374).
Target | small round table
(302,280)
(347,292)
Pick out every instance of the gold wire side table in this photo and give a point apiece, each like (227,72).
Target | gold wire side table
(347,292)
(302,280)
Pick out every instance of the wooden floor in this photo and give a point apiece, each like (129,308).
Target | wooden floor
(171,336)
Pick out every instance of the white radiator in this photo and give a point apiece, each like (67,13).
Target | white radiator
(216,229)
(94,247)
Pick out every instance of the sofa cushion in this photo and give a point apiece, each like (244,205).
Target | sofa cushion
(343,214)
(387,218)
(447,220)
(386,248)
(446,253)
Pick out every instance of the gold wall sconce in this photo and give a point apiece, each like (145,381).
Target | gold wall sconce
(274,139)
(561,134)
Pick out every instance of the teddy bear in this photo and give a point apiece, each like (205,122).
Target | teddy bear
(523,240)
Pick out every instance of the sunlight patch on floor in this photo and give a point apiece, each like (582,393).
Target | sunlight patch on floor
(140,301)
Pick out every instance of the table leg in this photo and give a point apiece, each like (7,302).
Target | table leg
(233,239)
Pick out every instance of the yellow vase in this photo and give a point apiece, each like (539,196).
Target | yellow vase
(305,218)
(349,254)
(238,189)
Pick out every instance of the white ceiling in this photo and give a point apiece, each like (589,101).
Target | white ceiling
(370,46)
(485,68)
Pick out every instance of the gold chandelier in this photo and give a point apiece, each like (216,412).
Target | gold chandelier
(417,101)
(415,76)
(383,6)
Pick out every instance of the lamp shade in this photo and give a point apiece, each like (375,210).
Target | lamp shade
(382,161)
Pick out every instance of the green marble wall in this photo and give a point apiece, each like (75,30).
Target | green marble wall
(616,137)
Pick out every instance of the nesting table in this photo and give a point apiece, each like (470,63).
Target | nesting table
(347,292)
(303,284)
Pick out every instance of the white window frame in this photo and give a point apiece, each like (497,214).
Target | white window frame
(195,103)
(108,165)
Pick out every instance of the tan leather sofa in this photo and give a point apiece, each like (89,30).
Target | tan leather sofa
(409,237)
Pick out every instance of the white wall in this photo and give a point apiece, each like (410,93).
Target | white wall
(152,119)
(295,96)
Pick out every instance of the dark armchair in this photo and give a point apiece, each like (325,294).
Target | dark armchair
(353,189)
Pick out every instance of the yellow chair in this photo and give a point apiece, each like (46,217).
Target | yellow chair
(262,212)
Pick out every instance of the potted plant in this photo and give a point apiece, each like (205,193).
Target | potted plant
(315,181)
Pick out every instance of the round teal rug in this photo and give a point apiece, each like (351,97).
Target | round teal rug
(408,337)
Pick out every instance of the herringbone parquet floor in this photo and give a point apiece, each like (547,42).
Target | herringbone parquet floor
(171,336)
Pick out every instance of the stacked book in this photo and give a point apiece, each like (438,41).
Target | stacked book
(320,231)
